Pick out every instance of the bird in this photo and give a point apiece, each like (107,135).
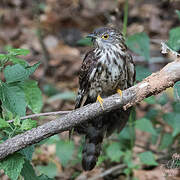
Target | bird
(106,69)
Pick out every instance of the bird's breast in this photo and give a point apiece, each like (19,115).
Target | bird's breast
(106,76)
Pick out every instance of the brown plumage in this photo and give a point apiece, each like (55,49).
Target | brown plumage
(105,69)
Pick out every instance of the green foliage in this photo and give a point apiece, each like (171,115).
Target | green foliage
(64,151)
(148,158)
(50,170)
(12,165)
(142,72)
(177,91)
(178,13)
(174,39)
(85,42)
(16,93)
(114,152)
(139,43)
(166,141)
(33,95)
(173,119)
(145,125)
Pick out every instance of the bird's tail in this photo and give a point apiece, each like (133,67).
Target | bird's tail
(93,141)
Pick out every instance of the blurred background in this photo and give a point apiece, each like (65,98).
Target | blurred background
(54,31)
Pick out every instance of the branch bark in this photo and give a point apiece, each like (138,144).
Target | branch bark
(152,85)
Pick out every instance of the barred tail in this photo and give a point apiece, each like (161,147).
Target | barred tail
(93,141)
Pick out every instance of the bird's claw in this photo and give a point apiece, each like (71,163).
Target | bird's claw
(120,93)
(100,100)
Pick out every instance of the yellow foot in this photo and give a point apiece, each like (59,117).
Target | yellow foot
(100,100)
(120,92)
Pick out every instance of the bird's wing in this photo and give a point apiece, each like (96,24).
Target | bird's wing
(87,67)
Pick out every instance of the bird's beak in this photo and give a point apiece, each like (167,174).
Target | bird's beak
(91,36)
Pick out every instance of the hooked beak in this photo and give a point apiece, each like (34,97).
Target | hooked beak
(93,36)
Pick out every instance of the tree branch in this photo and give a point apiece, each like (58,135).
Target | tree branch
(152,85)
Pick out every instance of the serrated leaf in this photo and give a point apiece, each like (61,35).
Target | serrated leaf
(173,119)
(114,152)
(177,91)
(27,152)
(139,43)
(28,171)
(145,125)
(85,42)
(174,39)
(13,99)
(28,124)
(50,170)
(142,72)
(148,158)
(33,96)
(17,52)
(15,73)
(31,69)
(12,165)
(3,124)
(166,141)
(64,151)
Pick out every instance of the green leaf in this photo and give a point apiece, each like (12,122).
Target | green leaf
(28,171)
(20,61)
(17,121)
(64,151)
(28,124)
(44,177)
(174,39)
(142,72)
(150,100)
(18,73)
(33,95)
(178,13)
(173,119)
(166,141)
(50,170)
(176,106)
(145,125)
(13,99)
(17,52)
(68,95)
(3,58)
(27,152)
(15,73)
(177,91)
(163,99)
(113,152)
(3,124)
(12,165)
(31,69)
(148,158)
(139,43)
(152,114)
(85,42)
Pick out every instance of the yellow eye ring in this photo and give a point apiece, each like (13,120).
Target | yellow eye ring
(106,36)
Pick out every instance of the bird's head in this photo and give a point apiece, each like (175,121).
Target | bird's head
(105,37)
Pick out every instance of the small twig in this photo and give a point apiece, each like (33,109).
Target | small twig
(41,114)
(109,171)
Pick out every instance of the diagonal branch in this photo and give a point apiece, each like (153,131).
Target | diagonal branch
(154,84)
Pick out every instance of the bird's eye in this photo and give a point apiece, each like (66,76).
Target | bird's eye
(106,36)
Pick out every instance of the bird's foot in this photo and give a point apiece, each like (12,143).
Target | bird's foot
(100,100)
(120,93)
